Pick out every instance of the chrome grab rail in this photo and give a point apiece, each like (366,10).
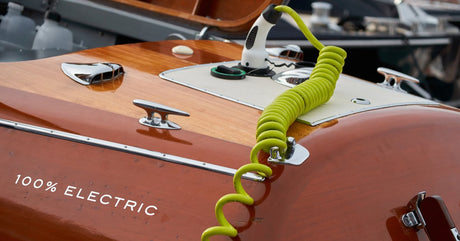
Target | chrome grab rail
(126,148)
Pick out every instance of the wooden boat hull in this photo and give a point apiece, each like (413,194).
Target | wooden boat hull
(362,171)
(224,15)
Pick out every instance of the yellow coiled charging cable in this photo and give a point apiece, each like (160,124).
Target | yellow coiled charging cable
(279,115)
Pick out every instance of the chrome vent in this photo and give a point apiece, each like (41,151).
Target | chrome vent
(92,73)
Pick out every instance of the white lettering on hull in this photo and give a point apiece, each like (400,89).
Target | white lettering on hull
(88,195)
(107,199)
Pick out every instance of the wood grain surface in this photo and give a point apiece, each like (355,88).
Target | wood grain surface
(362,171)
(228,16)
(142,63)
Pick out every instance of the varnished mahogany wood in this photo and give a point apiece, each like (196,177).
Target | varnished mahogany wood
(234,16)
(362,171)
(142,63)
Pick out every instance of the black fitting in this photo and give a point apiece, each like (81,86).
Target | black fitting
(261,72)
(225,72)
(271,15)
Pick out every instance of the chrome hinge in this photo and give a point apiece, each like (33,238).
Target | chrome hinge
(431,215)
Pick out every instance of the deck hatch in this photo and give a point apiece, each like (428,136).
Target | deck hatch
(259,92)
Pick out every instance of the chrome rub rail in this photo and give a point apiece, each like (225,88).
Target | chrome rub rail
(125,148)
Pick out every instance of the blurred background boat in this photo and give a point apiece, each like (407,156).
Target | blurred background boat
(419,38)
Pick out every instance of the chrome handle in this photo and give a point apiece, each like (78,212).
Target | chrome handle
(163,111)
(393,75)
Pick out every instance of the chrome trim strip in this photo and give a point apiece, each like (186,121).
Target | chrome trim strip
(428,103)
(364,42)
(125,148)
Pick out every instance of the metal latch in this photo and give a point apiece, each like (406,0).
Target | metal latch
(295,154)
(160,121)
(393,79)
(430,214)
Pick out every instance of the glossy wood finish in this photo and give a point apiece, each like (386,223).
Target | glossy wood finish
(234,16)
(28,213)
(361,174)
(362,171)
(181,195)
(143,62)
